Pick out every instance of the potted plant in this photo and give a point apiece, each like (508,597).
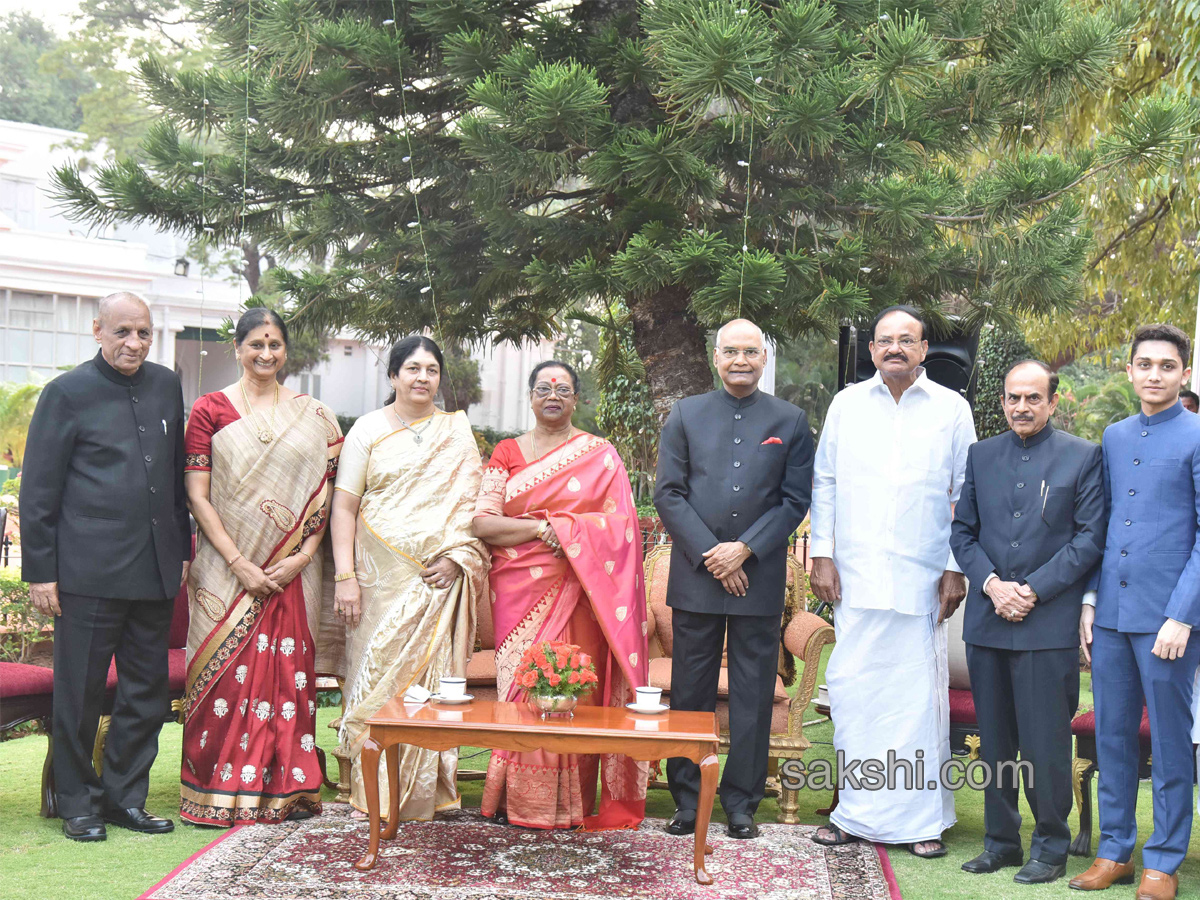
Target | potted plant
(555,675)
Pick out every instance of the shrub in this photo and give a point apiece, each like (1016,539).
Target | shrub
(21,623)
(998,350)
(488,438)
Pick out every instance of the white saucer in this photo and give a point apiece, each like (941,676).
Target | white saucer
(648,710)
(438,698)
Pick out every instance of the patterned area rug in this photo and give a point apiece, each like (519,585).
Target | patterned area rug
(465,857)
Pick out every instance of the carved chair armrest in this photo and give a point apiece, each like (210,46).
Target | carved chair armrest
(806,636)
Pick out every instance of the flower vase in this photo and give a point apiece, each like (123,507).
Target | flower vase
(553,704)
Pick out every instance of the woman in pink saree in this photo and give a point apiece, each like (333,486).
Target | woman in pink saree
(556,509)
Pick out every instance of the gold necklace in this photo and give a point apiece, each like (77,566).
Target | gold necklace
(265,434)
(533,441)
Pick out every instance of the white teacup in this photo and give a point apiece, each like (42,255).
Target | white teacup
(452,687)
(649,697)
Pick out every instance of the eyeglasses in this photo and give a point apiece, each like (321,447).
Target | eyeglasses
(749,352)
(562,392)
(905,342)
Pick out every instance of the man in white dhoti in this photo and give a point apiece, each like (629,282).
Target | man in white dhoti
(890,464)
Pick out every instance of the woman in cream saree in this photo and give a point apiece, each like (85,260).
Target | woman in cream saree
(259,484)
(409,571)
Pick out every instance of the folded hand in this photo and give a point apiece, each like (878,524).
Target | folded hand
(725,559)
(736,583)
(1009,599)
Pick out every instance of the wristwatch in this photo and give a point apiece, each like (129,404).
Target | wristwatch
(345,576)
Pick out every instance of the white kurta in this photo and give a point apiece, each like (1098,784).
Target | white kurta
(885,476)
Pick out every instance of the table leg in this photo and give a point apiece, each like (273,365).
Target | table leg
(369,760)
(392,754)
(708,794)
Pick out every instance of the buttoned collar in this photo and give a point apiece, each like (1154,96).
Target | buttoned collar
(116,377)
(1165,416)
(739,402)
(922,382)
(1034,440)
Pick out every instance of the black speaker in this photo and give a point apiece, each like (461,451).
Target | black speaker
(949,362)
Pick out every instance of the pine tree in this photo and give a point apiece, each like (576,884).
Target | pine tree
(484,167)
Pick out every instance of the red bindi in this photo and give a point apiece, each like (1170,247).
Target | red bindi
(554,381)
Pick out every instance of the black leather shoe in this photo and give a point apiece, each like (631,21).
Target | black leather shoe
(84,828)
(683,822)
(1037,872)
(741,827)
(988,861)
(137,819)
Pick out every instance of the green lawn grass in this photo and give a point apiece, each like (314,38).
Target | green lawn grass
(37,862)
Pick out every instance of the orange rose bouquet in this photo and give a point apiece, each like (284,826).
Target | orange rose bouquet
(556,669)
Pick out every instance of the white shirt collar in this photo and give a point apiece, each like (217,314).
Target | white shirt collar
(922,382)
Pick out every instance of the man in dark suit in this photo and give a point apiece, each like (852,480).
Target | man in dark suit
(1028,530)
(104,543)
(734,482)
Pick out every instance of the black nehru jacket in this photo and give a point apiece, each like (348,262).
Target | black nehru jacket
(1032,511)
(103,510)
(732,469)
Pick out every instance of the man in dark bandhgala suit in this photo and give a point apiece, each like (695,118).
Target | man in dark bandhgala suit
(734,481)
(1028,530)
(104,542)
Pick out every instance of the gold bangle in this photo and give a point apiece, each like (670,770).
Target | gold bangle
(305,553)
(235,559)
(345,576)
(542,528)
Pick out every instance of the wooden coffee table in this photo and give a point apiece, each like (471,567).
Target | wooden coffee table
(515,727)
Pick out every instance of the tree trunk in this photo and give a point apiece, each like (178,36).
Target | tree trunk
(672,345)
(251,265)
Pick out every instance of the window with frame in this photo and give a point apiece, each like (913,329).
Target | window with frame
(43,334)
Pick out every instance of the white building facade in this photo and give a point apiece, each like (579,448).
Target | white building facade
(53,271)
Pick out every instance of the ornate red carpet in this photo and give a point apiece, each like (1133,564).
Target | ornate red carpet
(464,857)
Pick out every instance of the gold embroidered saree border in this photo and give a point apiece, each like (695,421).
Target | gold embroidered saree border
(537,472)
(220,808)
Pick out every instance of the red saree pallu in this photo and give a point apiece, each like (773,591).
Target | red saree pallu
(249,738)
(594,597)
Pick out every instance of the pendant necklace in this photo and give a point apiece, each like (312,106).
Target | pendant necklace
(415,433)
(265,434)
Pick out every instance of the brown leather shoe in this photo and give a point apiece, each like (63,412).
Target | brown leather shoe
(1102,874)
(1157,885)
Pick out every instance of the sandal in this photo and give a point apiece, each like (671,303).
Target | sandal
(839,837)
(928,854)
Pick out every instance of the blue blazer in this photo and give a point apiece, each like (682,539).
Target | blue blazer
(1151,566)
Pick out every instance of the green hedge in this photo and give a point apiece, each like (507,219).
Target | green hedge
(22,624)
(998,350)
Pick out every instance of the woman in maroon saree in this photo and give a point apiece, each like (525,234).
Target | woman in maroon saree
(260,467)
(557,511)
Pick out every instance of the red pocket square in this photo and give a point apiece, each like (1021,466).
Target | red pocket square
(772,440)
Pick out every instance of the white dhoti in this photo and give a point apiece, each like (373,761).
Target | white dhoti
(888,683)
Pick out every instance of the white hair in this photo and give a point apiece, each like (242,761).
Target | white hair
(104,307)
(761,337)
